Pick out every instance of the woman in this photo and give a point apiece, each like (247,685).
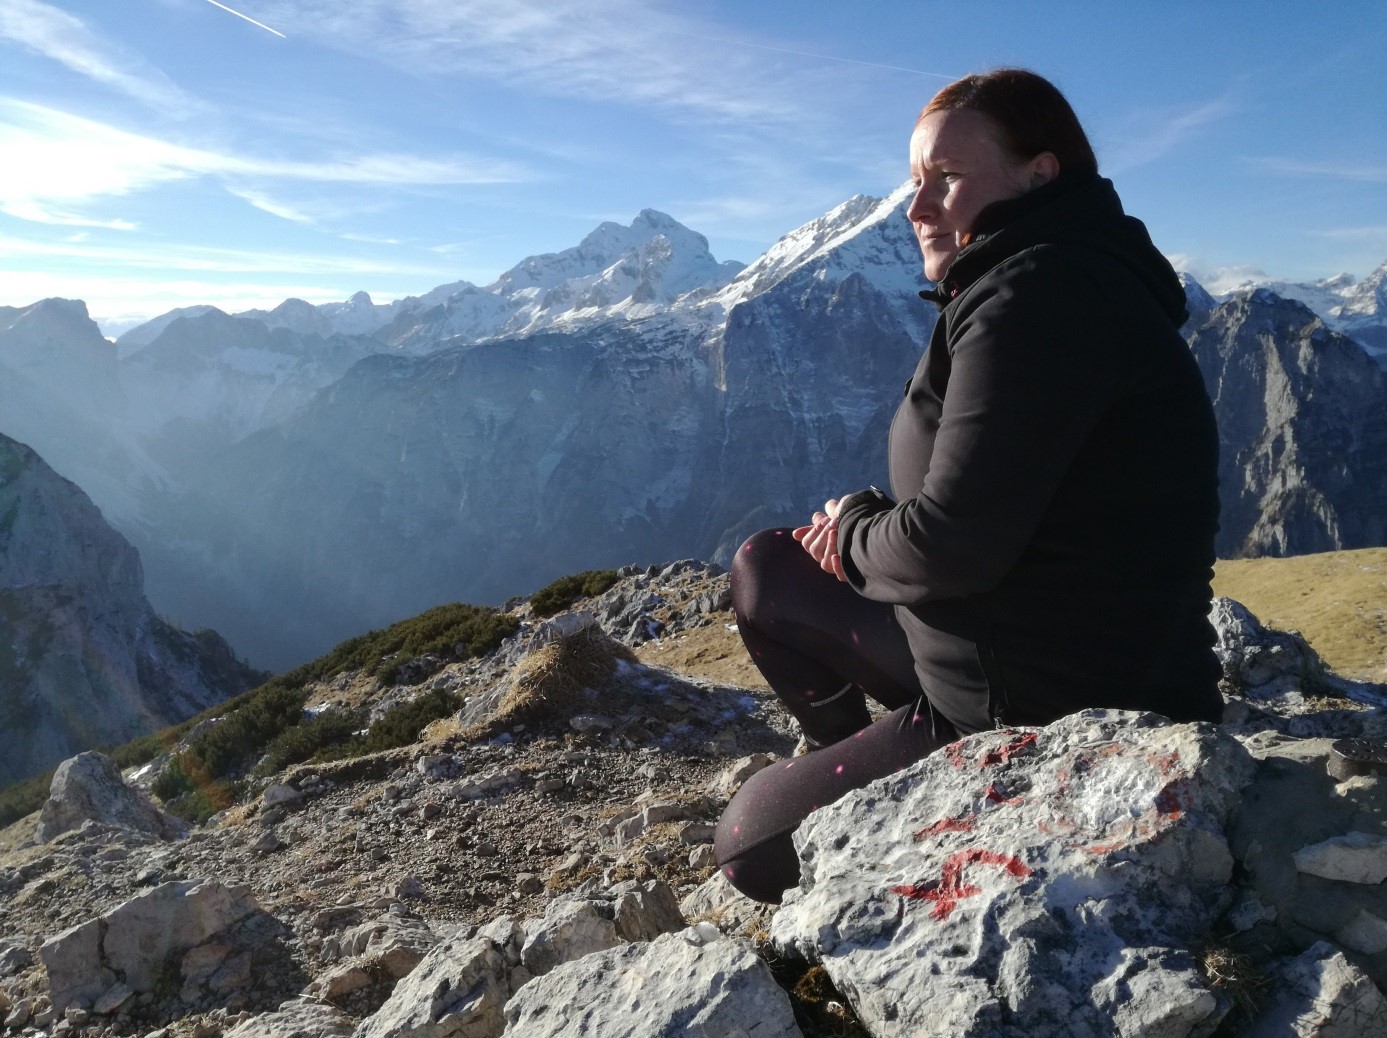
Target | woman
(1054,461)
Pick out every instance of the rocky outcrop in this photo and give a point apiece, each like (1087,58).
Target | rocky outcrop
(127,950)
(1187,880)
(1302,430)
(84,660)
(689,983)
(1320,994)
(936,899)
(89,787)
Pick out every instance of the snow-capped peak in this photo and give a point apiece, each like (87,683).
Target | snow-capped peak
(865,235)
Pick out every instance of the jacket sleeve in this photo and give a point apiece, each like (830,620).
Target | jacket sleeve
(1032,372)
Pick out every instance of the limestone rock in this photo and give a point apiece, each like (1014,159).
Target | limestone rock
(672,987)
(719,902)
(13,958)
(458,989)
(385,948)
(118,994)
(296,1020)
(643,911)
(135,939)
(1048,882)
(1351,858)
(730,779)
(393,943)
(1366,933)
(1320,994)
(73,959)
(88,787)
(1291,804)
(570,929)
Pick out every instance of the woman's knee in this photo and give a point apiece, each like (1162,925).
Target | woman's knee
(754,569)
(754,843)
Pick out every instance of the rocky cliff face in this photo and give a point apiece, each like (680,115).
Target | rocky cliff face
(83,659)
(209,380)
(1302,429)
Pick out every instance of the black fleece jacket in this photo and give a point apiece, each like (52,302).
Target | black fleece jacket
(1055,460)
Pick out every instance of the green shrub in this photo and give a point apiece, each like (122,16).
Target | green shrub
(190,793)
(477,629)
(562,593)
(269,719)
(245,732)
(308,738)
(146,747)
(202,803)
(398,726)
(19,799)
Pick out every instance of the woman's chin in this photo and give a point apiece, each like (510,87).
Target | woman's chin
(937,264)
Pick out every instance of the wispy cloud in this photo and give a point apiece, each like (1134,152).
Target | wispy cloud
(1217,280)
(1370,232)
(213,260)
(369,239)
(63,38)
(625,51)
(1151,135)
(267,204)
(70,161)
(1372,174)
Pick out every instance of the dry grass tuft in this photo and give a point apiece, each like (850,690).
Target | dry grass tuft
(547,687)
(1235,975)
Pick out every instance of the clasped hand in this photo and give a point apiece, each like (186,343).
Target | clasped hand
(820,539)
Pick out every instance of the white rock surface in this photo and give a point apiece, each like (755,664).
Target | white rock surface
(457,990)
(1320,994)
(296,1020)
(673,987)
(89,787)
(569,930)
(1351,858)
(134,940)
(1366,933)
(1036,883)
(643,911)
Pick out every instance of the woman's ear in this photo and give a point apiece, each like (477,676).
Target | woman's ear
(1044,168)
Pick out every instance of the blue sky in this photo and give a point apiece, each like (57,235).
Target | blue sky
(160,153)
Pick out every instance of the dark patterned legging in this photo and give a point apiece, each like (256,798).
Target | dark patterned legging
(823,648)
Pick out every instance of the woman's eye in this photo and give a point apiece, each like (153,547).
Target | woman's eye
(949,177)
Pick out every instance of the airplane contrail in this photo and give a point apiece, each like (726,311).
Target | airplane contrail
(248,18)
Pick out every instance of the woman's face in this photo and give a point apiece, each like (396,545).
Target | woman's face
(959,166)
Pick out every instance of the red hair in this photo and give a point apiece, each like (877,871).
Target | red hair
(1030,113)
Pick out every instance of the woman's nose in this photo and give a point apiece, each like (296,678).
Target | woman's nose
(922,204)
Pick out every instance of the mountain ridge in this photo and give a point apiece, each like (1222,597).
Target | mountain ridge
(85,661)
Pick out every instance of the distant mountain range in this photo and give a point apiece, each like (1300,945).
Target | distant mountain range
(295,476)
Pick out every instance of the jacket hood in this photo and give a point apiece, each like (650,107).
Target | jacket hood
(1075,209)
